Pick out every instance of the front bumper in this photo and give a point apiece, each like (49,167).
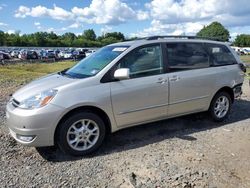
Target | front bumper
(40,124)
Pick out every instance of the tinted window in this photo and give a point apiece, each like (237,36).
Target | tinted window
(185,56)
(145,61)
(220,55)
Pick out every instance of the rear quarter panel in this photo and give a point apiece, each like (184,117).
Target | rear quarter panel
(226,76)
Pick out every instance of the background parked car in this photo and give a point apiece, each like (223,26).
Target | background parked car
(89,52)
(4,55)
(22,54)
(78,54)
(51,54)
(245,52)
(43,54)
(14,54)
(61,54)
(68,55)
(31,55)
(57,53)
(241,50)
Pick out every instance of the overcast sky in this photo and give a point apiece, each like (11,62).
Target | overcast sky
(133,18)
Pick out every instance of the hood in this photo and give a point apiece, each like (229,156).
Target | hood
(51,81)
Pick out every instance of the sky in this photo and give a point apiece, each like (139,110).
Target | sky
(132,18)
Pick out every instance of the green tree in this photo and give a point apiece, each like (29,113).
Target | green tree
(12,39)
(116,35)
(68,39)
(69,35)
(39,39)
(25,41)
(2,38)
(45,39)
(214,30)
(52,36)
(242,40)
(89,34)
(108,40)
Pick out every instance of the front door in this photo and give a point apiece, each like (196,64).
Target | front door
(143,97)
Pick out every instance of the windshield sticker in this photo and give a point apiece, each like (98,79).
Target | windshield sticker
(215,50)
(119,49)
(94,71)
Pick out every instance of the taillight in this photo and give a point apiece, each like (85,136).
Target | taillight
(242,67)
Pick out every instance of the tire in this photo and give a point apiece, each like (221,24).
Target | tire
(219,111)
(81,134)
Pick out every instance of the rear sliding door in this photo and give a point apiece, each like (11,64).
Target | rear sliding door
(190,79)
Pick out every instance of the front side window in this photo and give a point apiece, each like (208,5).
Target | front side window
(144,61)
(94,63)
(186,56)
(220,54)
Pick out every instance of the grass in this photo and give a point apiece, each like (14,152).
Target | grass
(245,59)
(14,76)
(22,73)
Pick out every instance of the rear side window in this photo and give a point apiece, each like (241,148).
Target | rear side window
(186,56)
(220,55)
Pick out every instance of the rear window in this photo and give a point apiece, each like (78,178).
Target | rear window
(220,55)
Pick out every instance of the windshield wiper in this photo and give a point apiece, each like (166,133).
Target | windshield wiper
(72,75)
(63,73)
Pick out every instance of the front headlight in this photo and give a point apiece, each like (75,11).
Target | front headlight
(39,100)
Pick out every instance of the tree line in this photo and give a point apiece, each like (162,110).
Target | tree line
(215,30)
(242,40)
(51,39)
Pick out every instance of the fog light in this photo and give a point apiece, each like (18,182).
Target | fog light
(25,138)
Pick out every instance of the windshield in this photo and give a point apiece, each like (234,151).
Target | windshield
(94,63)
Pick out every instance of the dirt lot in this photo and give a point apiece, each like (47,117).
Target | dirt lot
(190,151)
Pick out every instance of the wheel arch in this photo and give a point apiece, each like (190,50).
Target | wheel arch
(103,115)
(226,89)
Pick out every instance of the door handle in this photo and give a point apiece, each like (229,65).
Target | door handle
(161,81)
(174,78)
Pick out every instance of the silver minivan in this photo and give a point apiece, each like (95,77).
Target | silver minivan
(122,85)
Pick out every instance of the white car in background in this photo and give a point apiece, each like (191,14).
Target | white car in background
(89,52)
(14,54)
(61,54)
(68,55)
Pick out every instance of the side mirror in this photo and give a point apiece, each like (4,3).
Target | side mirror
(121,74)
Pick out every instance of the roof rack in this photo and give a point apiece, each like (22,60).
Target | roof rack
(182,37)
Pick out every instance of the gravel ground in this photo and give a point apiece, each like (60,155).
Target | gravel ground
(186,152)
